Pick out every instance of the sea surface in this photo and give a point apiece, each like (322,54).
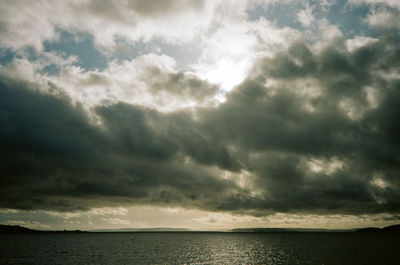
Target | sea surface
(200,248)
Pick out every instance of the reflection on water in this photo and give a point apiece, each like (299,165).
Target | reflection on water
(199,248)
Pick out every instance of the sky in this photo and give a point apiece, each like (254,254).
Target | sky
(199,114)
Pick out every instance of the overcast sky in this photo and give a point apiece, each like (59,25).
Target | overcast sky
(202,114)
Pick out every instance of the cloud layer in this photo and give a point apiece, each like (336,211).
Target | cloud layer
(312,128)
(305,132)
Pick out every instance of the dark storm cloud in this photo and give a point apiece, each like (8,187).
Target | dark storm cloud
(332,150)
(54,157)
(285,133)
(272,122)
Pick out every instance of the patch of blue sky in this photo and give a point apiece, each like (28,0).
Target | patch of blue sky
(6,56)
(91,58)
(80,45)
(184,54)
(283,15)
(349,19)
(32,55)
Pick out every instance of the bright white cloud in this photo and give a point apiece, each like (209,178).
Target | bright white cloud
(305,16)
(232,49)
(150,80)
(358,41)
(325,166)
(379,182)
(30,23)
(384,19)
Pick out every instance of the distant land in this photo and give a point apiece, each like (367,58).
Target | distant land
(157,229)
(14,229)
(289,230)
(392,228)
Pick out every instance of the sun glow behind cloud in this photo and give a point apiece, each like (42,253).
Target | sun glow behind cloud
(226,73)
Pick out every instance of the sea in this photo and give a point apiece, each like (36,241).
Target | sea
(200,248)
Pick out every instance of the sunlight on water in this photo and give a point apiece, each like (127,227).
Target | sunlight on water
(199,248)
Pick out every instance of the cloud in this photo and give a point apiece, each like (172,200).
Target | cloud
(305,16)
(391,3)
(292,110)
(311,129)
(31,24)
(385,19)
(230,49)
(150,80)
(383,15)
(53,155)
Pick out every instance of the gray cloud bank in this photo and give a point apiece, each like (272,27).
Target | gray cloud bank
(307,132)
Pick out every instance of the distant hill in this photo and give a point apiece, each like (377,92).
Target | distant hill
(391,229)
(263,230)
(157,229)
(8,229)
(368,229)
(288,230)
(16,229)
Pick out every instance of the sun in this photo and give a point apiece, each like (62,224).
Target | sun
(226,72)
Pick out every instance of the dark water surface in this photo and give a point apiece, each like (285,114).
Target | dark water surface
(200,248)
